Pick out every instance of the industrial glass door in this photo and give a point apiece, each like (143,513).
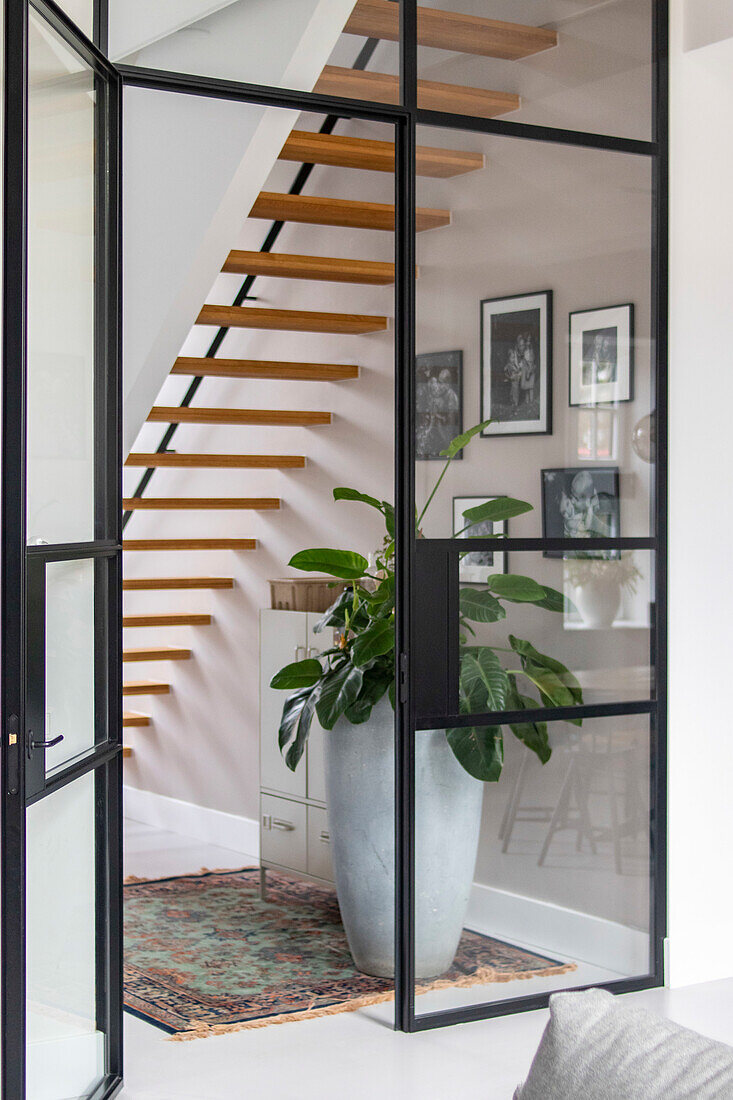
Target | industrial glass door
(61,885)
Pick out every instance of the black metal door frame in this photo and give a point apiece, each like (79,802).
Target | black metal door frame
(23,568)
(404,118)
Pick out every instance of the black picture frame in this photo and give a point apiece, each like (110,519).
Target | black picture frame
(574,484)
(473,572)
(613,325)
(502,399)
(436,426)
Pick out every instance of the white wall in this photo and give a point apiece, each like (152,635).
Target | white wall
(193,168)
(701,392)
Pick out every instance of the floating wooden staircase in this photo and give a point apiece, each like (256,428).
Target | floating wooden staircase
(449,30)
(376,156)
(373,19)
(291,320)
(257,368)
(344,213)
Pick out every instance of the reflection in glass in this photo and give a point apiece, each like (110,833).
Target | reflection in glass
(65,1050)
(559,895)
(540,218)
(70,621)
(557,631)
(61,142)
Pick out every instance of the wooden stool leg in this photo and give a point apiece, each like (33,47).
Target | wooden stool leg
(510,815)
(560,813)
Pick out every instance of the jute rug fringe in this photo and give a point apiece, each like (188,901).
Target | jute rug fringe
(132,879)
(485,976)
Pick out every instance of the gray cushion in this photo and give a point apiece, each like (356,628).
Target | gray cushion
(598,1047)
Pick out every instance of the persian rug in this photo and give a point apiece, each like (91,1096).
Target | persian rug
(205,955)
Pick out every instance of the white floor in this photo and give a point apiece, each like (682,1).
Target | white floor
(355,1053)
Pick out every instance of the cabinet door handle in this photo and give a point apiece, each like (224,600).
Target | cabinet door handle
(297,651)
(285,826)
(325,836)
(311,650)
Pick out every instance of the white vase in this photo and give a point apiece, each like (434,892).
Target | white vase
(598,601)
(360,791)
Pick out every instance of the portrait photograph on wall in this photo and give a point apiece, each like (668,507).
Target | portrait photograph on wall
(516,364)
(438,402)
(602,355)
(580,503)
(476,566)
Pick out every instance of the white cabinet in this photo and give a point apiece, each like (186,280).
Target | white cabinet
(293,816)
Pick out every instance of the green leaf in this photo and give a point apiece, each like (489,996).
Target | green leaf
(480,606)
(346,564)
(385,592)
(555,601)
(298,675)
(460,441)
(392,692)
(532,734)
(528,652)
(373,642)
(295,724)
(480,669)
(479,749)
(497,510)
(336,613)
(510,586)
(336,693)
(354,494)
(389,519)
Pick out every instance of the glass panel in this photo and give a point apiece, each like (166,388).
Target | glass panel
(590,613)
(61,134)
(544,874)
(65,1050)
(70,687)
(573,64)
(280,43)
(82,13)
(534,311)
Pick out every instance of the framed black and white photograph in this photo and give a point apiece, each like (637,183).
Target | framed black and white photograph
(477,566)
(438,402)
(602,355)
(580,503)
(516,364)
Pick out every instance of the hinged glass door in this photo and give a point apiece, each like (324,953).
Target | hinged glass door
(61,713)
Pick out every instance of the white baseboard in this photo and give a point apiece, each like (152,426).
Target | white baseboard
(64,1066)
(242,834)
(556,930)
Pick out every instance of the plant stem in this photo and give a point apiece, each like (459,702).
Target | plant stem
(435,489)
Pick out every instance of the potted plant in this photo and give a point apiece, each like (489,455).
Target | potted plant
(351,689)
(598,579)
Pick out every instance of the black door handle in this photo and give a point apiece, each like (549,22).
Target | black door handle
(42,744)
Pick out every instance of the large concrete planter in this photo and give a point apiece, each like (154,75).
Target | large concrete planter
(360,792)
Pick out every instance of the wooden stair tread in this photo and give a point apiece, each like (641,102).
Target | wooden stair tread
(156,653)
(167,618)
(448,30)
(140,584)
(175,414)
(258,504)
(145,687)
(431,96)
(189,544)
(321,268)
(132,718)
(347,213)
(306,147)
(126,750)
(291,320)
(263,368)
(217,461)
